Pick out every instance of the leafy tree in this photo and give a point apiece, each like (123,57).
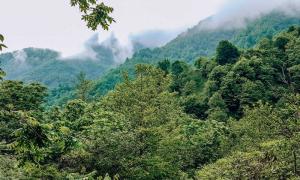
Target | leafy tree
(196,144)
(165,65)
(217,108)
(147,106)
(31,140)
(179,73)
(196,106)
(15,98)
(260,164)
(83,87)
(205,66)
(281,42)
(226,53)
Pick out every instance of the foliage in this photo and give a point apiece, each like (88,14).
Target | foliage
(226,53)
(267,146)
(2,73)
(1,41)
(83,87)
(94,13)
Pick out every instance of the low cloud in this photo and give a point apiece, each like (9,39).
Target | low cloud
(118,51)
(236,13)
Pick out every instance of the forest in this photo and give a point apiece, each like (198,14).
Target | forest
(232,116)
(229,114)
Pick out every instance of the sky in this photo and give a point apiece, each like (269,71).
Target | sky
(56,25)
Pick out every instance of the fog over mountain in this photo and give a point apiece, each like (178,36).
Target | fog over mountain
(236,13)
(51,68)
(121,51)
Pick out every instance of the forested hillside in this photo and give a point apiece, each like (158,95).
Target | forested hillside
(232,116)
(60,74)
(46,66)
(202,41)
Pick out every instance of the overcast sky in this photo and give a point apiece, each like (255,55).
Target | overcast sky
(54,24)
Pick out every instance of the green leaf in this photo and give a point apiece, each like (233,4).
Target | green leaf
(1,38)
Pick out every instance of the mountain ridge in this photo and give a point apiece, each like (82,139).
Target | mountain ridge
(193,44)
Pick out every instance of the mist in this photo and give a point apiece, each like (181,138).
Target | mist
(236,13)
(155,38)
(96,48)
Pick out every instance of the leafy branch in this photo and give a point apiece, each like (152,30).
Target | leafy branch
(2,46)
(95,14)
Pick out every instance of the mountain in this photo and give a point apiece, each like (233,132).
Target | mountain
(46,66)
(101,61)
(49,68)
(202,40)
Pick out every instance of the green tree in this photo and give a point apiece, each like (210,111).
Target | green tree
(165,65)
(205,66)
(179,70)
(281,42)
(15,98)
(227,53)
(83,87)
(259,164)
(128,126)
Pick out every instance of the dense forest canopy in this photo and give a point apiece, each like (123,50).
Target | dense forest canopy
(234,115)
(172,121)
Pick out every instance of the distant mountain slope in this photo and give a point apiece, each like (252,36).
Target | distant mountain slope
(202,40)
(49,68)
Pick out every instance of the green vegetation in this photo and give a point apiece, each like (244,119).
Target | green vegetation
(233,116)
(200,41)
(94,13)
(47,67)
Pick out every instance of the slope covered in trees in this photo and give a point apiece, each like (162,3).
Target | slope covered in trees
(202,41)
(233,116)
(47,67)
